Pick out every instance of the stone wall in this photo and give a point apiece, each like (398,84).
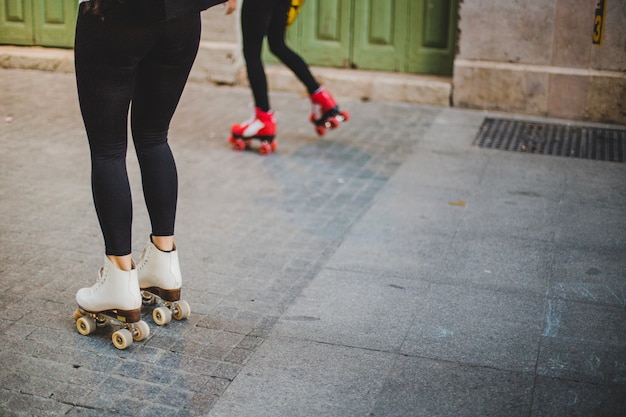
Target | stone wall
(537,57)
(219,58)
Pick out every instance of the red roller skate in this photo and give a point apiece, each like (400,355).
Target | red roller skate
(325,113)
(261,126)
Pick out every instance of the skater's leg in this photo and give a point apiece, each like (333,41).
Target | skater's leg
(278,46)
(325,112)
(163,243)
(160,82)
(105,77)
(255,18)
(161,79)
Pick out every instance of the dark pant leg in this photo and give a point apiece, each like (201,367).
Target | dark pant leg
(161,78)
(106,56)
(276,41)
(255,18)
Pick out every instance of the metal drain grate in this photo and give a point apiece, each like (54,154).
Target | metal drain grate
(553,139)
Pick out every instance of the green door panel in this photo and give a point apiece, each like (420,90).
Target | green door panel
(16,22)
(433,42)
(38,22)
(321,33)
(55,22)
(324,31)
(380,28)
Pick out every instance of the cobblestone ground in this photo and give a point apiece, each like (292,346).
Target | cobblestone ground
(252,232)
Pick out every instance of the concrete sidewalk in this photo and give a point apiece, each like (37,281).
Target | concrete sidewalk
(389,269)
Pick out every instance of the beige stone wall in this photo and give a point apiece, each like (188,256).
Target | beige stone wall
(219,27)
(537,57)
(219,58)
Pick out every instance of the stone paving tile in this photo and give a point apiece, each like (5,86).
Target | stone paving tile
(562,397)
(423,387)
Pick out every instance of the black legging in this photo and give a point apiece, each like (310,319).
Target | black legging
(260,18)
(124,59)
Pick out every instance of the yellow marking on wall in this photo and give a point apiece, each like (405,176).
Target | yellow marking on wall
(598,22)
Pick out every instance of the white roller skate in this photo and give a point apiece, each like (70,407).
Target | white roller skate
(160,282)
(115,297)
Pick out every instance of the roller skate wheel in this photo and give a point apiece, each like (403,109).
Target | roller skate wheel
(140,331)
(181,310)
(231,140)
(321,130)
(162,315)
(122,339)
(265,148)
(85,325)
(333,123)
(239,145)
(345,116)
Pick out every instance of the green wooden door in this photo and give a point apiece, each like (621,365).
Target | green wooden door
(411,36)
(381,29)
(38,22)
(324,36)
(433,41)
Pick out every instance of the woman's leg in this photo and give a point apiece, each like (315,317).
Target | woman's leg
(325,112)
(276,40)
(255,18)
(106,57)
(161,78)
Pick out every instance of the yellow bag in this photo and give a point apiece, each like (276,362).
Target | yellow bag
(296,5)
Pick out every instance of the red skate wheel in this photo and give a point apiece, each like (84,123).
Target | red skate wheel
(265,148)
(231,140)
(333,123)
(239,145)
(321,130)
(345,115)
(274,146)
